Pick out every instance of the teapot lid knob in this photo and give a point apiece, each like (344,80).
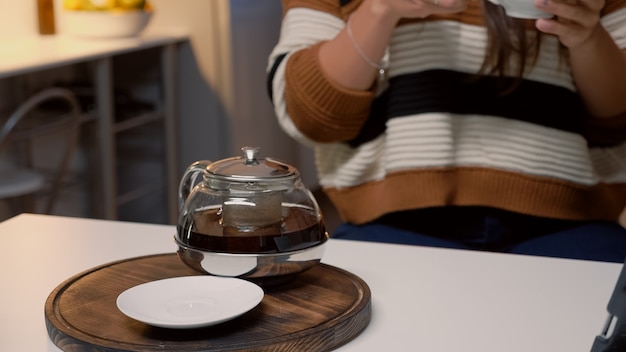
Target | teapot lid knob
(251,153)
(251,168)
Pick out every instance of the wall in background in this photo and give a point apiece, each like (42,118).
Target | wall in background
(205,75)
(230,42)
(254,30)
(17,18)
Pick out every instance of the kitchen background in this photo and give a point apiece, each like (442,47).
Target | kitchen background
(222,99)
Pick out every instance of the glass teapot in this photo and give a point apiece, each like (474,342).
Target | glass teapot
(248,217)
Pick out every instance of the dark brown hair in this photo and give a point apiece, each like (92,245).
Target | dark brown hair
(509,40)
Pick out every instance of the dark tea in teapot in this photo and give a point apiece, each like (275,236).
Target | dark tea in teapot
(298,229)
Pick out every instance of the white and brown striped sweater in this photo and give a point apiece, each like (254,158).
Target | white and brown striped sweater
(436,135)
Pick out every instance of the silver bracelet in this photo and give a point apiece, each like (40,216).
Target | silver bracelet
(384,62)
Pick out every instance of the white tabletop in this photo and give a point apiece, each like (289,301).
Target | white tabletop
(423,299)
(24,54)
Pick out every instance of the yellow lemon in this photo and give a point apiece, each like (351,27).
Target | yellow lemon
(72,4)
(110,4)
(131,4)
(87,5)
(92,5)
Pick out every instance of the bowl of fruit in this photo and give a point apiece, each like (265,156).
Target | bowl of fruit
(105,18)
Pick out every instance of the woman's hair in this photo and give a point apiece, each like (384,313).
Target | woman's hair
(510,41)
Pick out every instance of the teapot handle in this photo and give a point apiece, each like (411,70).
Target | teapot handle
(191,177)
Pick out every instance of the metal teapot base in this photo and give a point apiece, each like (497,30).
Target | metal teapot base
(263,268)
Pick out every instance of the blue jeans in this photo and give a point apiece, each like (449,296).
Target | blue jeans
(597,240)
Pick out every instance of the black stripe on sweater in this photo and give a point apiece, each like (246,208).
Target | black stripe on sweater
(465,94)
(271,74)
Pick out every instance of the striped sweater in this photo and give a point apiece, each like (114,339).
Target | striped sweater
(435,134)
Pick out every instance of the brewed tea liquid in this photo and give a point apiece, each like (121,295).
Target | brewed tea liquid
(299,229)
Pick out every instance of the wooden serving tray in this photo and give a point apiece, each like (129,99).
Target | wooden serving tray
(318,310)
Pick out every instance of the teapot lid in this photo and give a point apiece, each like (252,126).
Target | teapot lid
(251,168)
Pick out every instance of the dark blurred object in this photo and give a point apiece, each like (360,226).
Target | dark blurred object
(125,106)
(21,181)
(613,336)
(606,131)
(45,14)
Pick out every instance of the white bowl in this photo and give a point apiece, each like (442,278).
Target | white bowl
(105,24)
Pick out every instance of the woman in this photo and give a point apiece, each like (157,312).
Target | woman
(447,123)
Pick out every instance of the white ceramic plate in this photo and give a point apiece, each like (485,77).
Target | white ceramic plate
(189,301)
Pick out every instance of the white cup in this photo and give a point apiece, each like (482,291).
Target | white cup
(521,9)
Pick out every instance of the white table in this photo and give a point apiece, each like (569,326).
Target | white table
(31,54)
(27,54)
(423,299)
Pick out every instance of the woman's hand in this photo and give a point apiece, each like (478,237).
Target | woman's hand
(371,26)
(575,21)
(598,65)
(415,8)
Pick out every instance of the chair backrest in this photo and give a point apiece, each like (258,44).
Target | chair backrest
(23,125)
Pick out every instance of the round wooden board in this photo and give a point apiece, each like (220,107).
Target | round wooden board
(318,310)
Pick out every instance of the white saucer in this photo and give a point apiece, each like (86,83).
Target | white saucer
(189,301)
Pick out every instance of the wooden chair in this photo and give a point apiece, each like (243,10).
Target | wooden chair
(20,182)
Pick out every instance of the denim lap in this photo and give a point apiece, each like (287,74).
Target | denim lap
(598,241)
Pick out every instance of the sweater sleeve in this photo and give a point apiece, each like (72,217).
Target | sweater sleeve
(319,108)
(309,105)
(610,131)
